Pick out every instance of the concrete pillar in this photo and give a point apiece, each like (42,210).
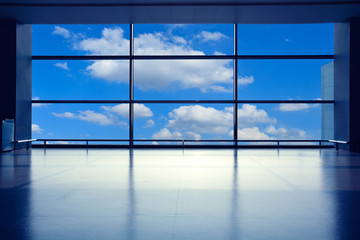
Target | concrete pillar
(15,80)
(347,83)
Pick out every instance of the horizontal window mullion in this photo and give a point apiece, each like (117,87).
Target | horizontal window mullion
(182,140)
(138,57)
(80,140)
(264,57)
(286,101)
(86,57)
(80,101)
(183,57)
(284,140)
(177,140)
(187,101)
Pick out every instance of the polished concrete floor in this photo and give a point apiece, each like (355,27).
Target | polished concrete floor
(176,194)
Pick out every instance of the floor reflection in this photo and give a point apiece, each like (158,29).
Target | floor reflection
(179,194)
(234,219)
(341,175)
(15,196)
(130,228)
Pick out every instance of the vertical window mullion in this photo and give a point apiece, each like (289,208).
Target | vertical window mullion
(131,87)
(235,86)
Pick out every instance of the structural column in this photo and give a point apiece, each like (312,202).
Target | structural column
(347,84)
(15,68)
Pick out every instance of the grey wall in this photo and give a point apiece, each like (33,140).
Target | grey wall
(346,82)
(327,93)
(23,82)
(15,68)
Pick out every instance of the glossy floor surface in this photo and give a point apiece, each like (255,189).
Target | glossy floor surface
(176,194)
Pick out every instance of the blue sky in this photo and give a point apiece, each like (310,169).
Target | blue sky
(179,79)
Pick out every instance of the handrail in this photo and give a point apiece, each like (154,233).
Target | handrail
(183,141)
(27,141)
(81,140)
(180,140)
(339,141)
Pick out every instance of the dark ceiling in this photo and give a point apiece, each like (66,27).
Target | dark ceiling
(178,11)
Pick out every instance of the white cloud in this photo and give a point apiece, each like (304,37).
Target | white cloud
(165,133)
(61,31)
(290,107)
(171,27)
(62,142)
(109,70)
(178,39)
(140,110)
(160,43)
(207,120)
(121,109)
(252,133)
(284,133)
(107,117)
(276,131)
(248,115)
(188,122)
(36,105)
(246,80)
(192,135)
(206,36)
(207,75)
(217,88)
(201,119)
(112,42)
(149,123)
(36,128)
(93,117)
(64,115)
(270,133)
(62,65)
(300,134)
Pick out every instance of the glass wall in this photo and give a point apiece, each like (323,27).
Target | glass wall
(179,84)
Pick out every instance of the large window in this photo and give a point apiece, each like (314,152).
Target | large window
(182,84)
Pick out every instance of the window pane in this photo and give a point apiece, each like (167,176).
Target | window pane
(80,39)
(183,39)
(184,79)
(277,39)
(85,80)
(281,79)
(179,121)
(279,121)
(80,121)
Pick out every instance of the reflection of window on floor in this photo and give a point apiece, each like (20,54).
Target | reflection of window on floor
(182,82)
